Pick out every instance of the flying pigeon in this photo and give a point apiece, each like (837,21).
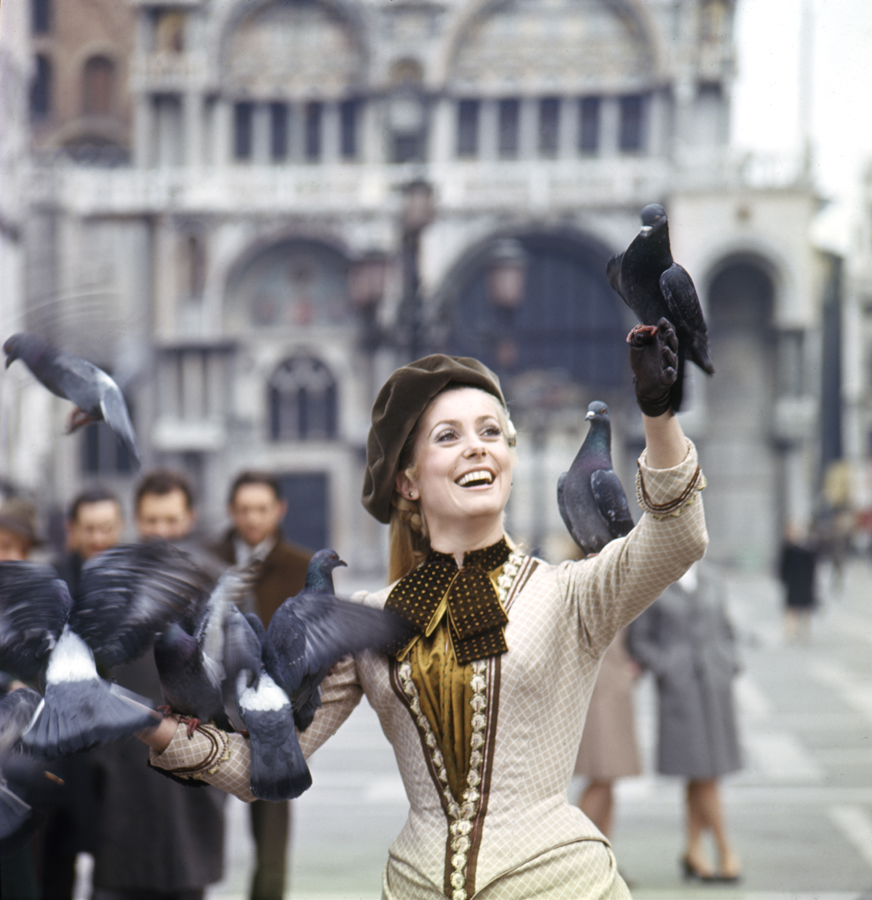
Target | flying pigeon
(590,497)
(17,709)
(95,395)
(190,666)
(278,768)
(655,287)
(127,594)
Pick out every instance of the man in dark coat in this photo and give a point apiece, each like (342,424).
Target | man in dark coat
(159,839)
(256,508)
(94,523)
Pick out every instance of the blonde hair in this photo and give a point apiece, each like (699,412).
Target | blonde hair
(408,539)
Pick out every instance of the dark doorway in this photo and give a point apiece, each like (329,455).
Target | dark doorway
(307,521)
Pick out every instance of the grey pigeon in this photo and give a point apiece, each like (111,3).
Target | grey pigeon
(590,496)
(310,632)
(191,666)
(17,710)
(278,768)
(127,594)
(95,395)
(654,286)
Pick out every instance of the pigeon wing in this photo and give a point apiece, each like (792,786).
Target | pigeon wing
(128,593)
(34,604)
(685,313)
(613,272)
(71,377)
(16,713)
(115,414)
(334,628)
(561,504)
(611,501)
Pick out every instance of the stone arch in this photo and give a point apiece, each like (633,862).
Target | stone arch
(294,49)
(293,283)
(570,319)
(544,46)
(741,465)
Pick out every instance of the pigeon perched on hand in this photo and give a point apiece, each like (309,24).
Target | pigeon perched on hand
(656,287)
(309,633)
(278,768)
(590,496)
(127,594)
(95,395)
(191,667)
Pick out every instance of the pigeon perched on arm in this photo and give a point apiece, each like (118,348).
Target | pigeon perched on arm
(308,634)
(95,395)
(654,286)
(278,767)
(190,666)
(590,496)
(127,594)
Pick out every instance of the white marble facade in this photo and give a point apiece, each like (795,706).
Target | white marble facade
(272,140)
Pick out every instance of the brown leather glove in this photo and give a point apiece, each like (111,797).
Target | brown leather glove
(654,358)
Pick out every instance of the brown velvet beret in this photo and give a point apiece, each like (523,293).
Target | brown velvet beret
(399,405)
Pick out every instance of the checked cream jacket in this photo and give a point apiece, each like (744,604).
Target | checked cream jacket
(513,824)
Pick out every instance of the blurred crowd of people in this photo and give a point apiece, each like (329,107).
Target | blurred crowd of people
(149,836)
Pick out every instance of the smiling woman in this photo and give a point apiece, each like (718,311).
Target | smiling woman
(485,702)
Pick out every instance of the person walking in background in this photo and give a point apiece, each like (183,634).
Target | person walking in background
(256,509)
(158,839)
(608,749)
(686,641)
(94,523)
(796,569)
(18,535)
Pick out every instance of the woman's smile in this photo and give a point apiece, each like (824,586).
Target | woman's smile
(462,473)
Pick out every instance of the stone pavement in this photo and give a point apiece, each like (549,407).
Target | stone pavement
(800,811)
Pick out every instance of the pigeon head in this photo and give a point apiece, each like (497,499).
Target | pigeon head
(19,346)
(319,574)
(598,411)
(653,214)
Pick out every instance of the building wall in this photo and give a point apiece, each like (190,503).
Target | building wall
(271,145)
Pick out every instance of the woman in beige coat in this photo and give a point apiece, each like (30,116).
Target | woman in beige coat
(485,707)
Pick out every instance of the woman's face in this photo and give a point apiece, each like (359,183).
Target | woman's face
(462,473)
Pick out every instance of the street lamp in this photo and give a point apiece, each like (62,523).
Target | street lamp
(507,274)
(417,213)
(506,280)
(367,277)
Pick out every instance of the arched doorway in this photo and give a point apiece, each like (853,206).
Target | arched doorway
(740,459)
(569,319)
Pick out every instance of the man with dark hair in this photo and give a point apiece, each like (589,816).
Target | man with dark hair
(94,523)
(164,506)
(159,840)
(256,508)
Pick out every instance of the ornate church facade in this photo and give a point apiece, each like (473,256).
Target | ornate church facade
(266,205)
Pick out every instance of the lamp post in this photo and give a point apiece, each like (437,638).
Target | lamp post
(366,288)
(506,282)
(417,213)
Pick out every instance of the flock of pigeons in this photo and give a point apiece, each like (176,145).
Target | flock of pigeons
(216,663)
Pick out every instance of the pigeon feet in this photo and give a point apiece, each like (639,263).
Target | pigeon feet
(165,709)
(641,335)
(78,419)
(191,725)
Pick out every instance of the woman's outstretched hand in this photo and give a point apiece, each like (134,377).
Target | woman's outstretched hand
(654,359)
